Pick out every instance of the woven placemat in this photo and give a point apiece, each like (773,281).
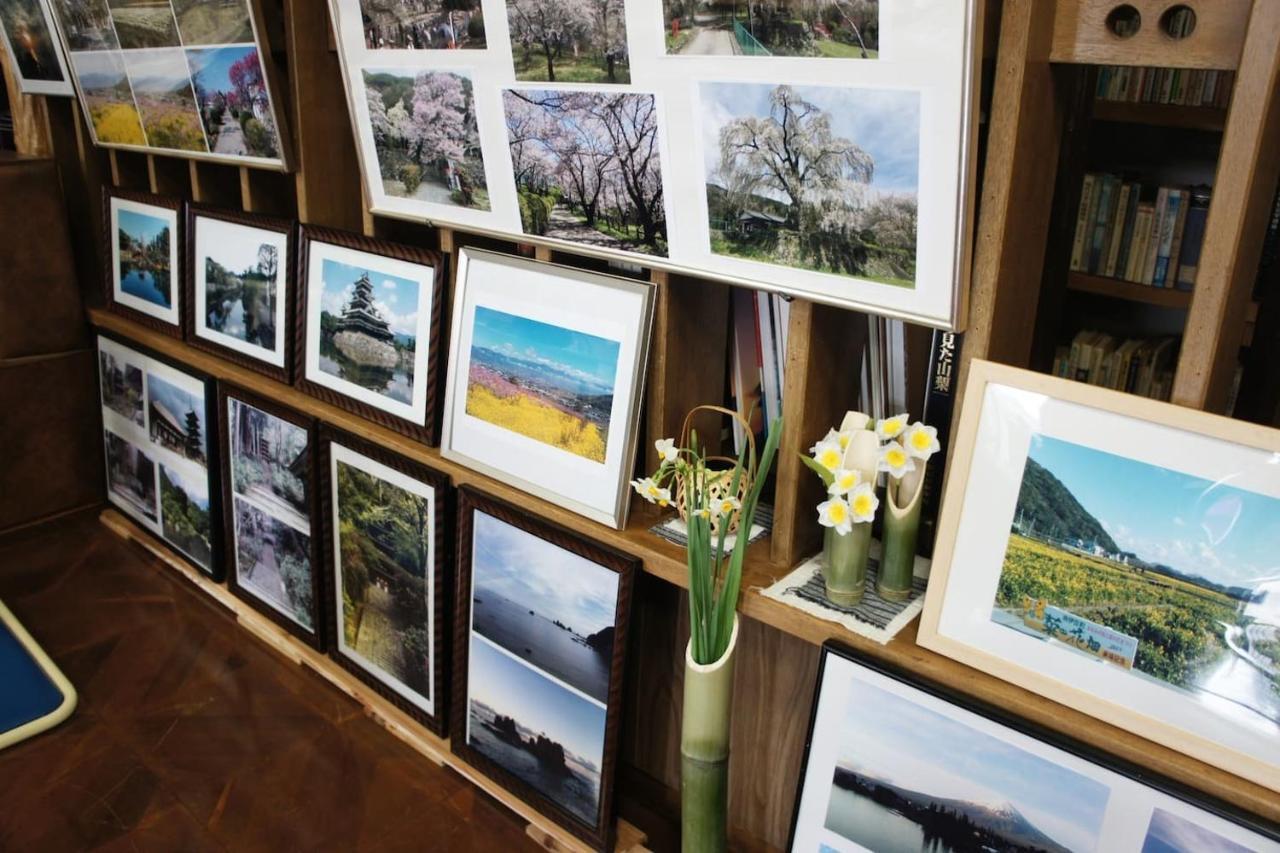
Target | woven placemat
(674,530)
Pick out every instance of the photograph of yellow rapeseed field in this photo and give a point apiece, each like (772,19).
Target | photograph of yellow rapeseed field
(545,382)
(1168,575)
(108,97)
(162,87)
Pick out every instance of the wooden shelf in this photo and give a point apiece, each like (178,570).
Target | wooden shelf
(1161,115)
(1166,297)
(665,560)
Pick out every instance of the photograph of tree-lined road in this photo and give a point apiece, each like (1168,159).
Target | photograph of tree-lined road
(817,178)
(570,41)
(1182,565)
(843,29)
(588,167)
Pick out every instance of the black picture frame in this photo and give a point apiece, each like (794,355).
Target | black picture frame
(441,523)
(216,570)
(315,635)
(1070,746)
(178,260)
(601,832)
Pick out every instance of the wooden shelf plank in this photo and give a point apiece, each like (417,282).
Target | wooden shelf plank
(1162,115)
(665,560)
(1117,288)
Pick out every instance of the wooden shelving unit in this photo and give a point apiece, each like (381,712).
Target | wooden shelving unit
(1161,115)
(1120,289)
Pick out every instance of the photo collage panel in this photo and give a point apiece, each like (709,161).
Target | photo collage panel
(575,124)
(35,54)
(179,76)
(156,434)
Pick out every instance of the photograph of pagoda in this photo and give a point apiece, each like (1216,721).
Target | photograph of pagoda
(368,329)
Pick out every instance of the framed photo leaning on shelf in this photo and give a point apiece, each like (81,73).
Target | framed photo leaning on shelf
(1117,555)
(368,330)
(239,288)
(893,762)
(144,258)
(35,53)
(386,572)
(540,638)
(546,379)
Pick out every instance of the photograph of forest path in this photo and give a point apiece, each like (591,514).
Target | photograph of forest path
(273,561)
(121,387)
(177,418)
(384,557)
(162,86)
(588,167)
(240,290)
(569,41)
(369,329)
(109,97)
(29,37)
(817,178)
(426,136)
(234,106)
(269,462)
(910,779)
(548,383)
(213,21)
(543,604)
(144,23)
(843,29)
(423,24)
(184,514)
(145,265)
(1149,568)
(540,732)
(86,24)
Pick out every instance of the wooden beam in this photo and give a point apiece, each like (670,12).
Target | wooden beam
(1081,35)
(30,115)
(1245,185)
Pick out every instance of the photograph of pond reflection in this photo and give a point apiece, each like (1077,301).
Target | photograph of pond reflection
(241,291)
(145,263)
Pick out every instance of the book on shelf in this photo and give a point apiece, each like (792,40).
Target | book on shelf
(1190,87)
(1137,232)
(1143,366)
(758,356)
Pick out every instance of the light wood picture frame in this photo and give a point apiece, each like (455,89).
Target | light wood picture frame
(1112,556)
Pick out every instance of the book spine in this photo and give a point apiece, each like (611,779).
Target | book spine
(1126,231)
(1167,224)
(1117,230)
(1105,203)
(1175,248)
(939,405)
(1138,253)
(1192,242)
(1083,218)
(1153,247)
(1166,85)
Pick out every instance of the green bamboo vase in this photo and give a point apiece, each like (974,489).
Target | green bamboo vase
(844,564)
(704,750)
(901,530)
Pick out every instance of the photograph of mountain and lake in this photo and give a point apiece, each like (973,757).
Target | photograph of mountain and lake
(241,283)
(177,418)
(121,386)
(1149,568)
(369,328)
(146,269)
(131,475)
(911,780)
(184,513)
(842,29)
(535,729)
(543,604)
(107,94)
(545,382)
(161,84)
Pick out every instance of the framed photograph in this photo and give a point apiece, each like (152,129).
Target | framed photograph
(162,467)
(144,260)
(187,78)
(368,336)
(35,54)
(240,288)
(546,378)
(540,636)
(269,492)
(386,572)
(893,762)
(1116,554)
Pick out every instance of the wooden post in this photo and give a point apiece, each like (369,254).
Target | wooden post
(168,176)
(30,115)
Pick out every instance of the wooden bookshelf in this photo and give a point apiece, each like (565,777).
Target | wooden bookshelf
(1161,115)
(1116,288)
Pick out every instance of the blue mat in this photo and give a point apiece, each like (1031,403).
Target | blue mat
(34,695)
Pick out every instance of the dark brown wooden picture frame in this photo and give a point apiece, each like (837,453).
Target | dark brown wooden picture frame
(601,834)
(441,508)
(425,431)
(252,220)
(178,262)
(226,392)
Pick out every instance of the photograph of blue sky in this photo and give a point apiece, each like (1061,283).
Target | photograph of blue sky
(589,361)
(140,226)
(1169,833)
(177,401)
(894,739)
(211,67)
(1224,534)
(542,577)
(538,704)
(883,122)
(158,72)
(99,69)
(395,298)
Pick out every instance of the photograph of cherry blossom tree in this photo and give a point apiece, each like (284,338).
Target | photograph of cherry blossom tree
(422,24)
(570,41)
(426,136)
(587,167)
(817,178)
(840,29)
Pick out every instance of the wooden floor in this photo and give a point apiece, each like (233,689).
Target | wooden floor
(191,736)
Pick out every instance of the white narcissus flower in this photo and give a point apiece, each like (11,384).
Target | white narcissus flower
(895,460)
(725,506)
(663,497)
(921,441)
(835,513)
(651,491)
(891,428)
(704,514)
(831,436)
(828,454)
(863,504)
(843,481)
(667,450)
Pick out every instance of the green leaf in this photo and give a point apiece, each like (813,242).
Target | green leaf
(820,470)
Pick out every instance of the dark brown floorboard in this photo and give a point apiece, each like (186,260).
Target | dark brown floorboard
(192,736)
